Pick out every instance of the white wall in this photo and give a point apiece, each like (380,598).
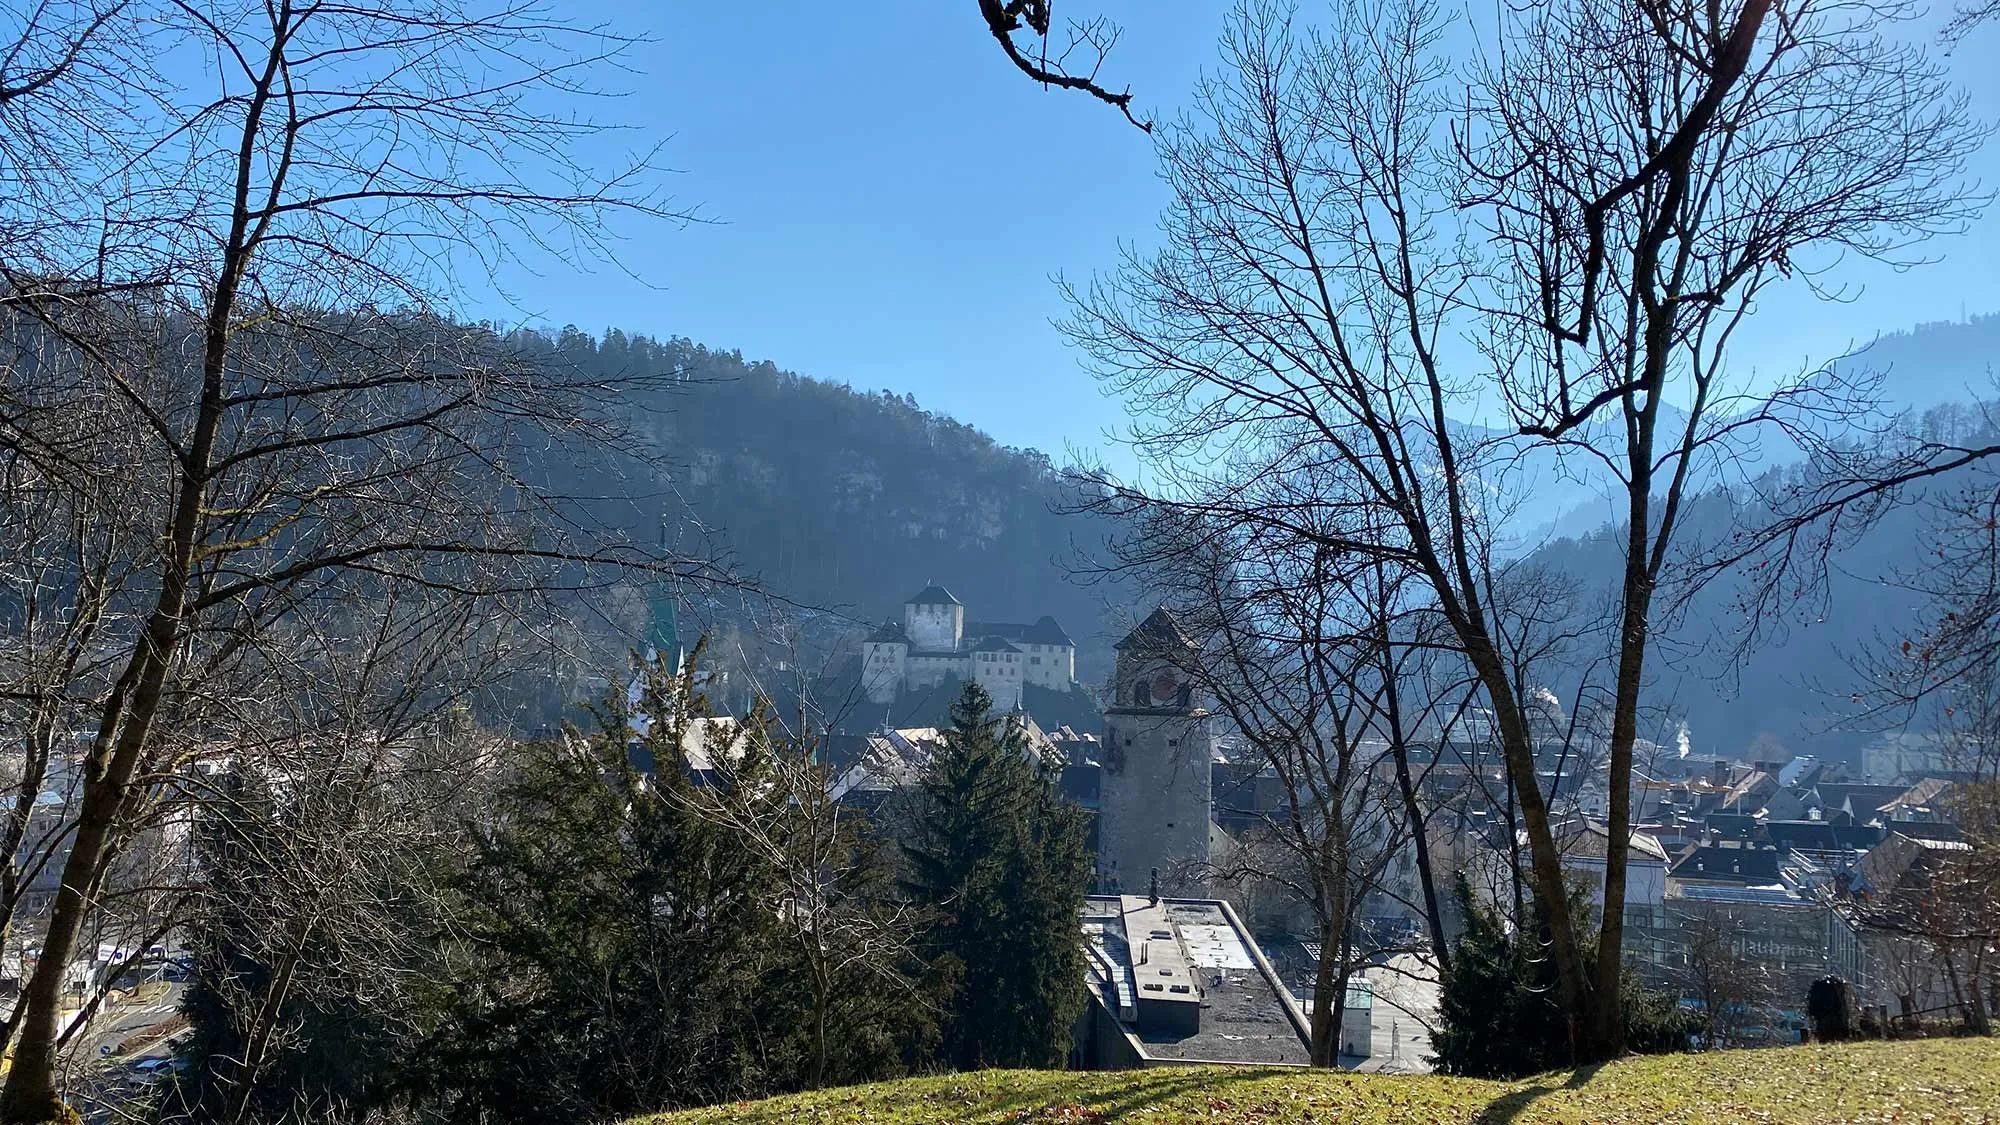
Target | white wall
(934,628)
(882,669)
(1000,676)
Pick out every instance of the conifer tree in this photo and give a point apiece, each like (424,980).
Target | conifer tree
(998,855)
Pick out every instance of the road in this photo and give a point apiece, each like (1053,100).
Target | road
(1406,1004)
(107,1078)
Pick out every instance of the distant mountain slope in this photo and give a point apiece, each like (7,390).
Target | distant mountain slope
(852,501)
(1798,684)
(1937,363)
(840,499)
(1927,366)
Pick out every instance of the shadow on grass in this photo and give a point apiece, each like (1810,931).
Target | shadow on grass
(1128,1098)
(1055,1100)
(1508,1108)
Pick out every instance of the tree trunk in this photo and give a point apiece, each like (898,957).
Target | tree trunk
(1325,1016)
(261,1033)
(1545,864)
(30,1094)
(1426,878)
(1607,1038)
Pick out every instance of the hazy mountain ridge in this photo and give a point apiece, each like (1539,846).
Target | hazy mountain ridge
(850,500)
(1806,680)
(840,499)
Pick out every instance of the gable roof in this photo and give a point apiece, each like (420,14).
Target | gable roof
(1731,826)
(1045,631)
(1822,836)
(1159,632)
(1042,632)
(1750,793)
(1748,866)
(1861,800)
(1920,798)
(890,632)
(996,644)
(1591,840)
(933,594)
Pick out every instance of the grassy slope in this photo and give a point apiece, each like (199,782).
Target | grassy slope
(1935,1081)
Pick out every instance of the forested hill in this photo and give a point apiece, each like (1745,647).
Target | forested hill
(842,499)
(1806,681)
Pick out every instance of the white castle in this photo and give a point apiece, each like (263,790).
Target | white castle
(934,643)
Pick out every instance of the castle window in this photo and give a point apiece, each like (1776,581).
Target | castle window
(1142,694)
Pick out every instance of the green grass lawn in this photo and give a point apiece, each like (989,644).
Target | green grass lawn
(1953,1080)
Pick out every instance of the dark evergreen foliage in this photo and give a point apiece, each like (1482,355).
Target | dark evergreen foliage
(1500,1011)
(624,951)
(998,855)
(622,955)
(339,1058)
(932,706)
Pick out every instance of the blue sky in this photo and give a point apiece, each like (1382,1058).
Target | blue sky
(890,200)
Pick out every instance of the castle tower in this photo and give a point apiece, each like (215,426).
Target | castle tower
(934,620)
(1154,793)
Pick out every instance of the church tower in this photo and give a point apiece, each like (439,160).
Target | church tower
(1154,793)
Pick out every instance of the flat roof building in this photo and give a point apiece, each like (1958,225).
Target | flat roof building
(1175,981)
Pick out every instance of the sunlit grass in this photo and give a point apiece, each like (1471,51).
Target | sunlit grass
(1929,1081)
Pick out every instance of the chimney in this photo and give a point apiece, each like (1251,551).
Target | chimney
(1718,774)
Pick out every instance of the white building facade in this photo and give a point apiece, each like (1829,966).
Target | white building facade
(935,643)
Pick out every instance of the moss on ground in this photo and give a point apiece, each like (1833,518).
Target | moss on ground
(1929,1081)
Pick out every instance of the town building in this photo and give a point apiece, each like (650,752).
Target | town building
(934,643)
(1178,981)
(1584,843)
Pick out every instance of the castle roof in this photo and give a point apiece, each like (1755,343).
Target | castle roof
(1159,632)
(996,644)
(934,595)
(1042,632)
(1045,631)
(888,632)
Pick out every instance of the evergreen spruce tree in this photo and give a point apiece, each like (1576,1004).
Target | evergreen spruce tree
(998,855)
(337,1060)
(621,954)
(1499,1003)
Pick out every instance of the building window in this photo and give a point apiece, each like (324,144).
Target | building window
(1034,660)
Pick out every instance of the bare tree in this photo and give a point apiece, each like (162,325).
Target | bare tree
(279,400)
(1298,660)
(853,938)
(1733,985)
(1022,29)
(1595,209)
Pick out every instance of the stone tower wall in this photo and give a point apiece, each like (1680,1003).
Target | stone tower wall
(1154,797)
(934,627)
